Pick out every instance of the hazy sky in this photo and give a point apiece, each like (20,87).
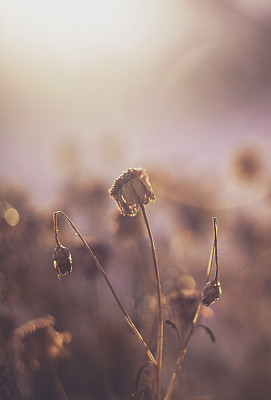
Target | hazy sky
(105,85)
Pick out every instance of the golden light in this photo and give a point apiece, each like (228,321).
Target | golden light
(69,28)
(11,216)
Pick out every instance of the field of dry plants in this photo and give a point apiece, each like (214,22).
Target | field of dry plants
(116,326)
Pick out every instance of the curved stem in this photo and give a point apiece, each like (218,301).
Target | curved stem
(193,325)
(128,319)
(55,227)
(160,311)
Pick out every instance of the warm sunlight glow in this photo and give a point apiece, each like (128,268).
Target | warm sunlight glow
(70,27)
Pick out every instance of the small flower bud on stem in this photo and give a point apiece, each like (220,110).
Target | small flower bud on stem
(128,319)
(196,316)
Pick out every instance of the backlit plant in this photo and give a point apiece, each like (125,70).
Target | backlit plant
(132,191)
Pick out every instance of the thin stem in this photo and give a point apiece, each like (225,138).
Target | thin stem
(182,354)
(160,311)
(193,326)
(215,245)
(62,395)
(128,319)
(55,227)
(210,263)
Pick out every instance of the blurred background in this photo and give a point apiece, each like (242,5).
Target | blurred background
(183,89)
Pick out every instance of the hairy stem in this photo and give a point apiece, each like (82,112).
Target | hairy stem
(160,311)
(128,319)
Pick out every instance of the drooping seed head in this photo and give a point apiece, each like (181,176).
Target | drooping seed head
(211,292)
(131,189)
(62,261)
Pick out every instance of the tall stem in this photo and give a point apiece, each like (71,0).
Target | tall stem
(215,245)
(128,319)
(160,311)
(193,325)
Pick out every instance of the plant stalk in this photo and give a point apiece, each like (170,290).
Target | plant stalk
(160,310)
(128,319)
(195,319)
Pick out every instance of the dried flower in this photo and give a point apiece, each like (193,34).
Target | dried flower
(130,190)
(37,341)
(62,261)
(211,292)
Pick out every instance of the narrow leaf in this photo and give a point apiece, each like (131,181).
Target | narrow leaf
(208,330)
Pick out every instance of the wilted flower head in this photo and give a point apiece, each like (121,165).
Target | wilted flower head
(211,292)
(62,261)
(130,190)
(37,341)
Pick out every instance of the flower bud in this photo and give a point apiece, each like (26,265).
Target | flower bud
(62,261)
(130,190)
(211,292)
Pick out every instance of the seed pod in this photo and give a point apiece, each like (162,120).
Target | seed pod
(62,261)
(211,292)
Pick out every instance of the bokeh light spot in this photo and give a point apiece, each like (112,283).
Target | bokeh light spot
(12,216)
(186,282)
